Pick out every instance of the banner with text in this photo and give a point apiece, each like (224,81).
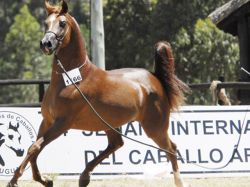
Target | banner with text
(206,137)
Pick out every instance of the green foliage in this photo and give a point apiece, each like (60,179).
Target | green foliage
(22,44)
(22,56)
(202,52)
(8,10)
(210,49)
(86,34)
(169,16)
(210,54)
(127,34)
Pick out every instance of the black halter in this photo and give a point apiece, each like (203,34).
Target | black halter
(58,38)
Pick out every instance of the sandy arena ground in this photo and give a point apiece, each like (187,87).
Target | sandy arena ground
(129,182)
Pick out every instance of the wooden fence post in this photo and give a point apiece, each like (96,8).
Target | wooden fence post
(97,34)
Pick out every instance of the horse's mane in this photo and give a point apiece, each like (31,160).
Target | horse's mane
(165,72)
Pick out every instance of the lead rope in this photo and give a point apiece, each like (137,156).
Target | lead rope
(140,142)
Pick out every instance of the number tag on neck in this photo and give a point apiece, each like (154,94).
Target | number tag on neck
(74,75)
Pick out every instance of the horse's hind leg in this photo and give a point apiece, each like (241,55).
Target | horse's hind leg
(164,142)
(157,131)
(114,142)
(171,147)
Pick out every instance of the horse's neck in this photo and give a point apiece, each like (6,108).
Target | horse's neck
(74,54)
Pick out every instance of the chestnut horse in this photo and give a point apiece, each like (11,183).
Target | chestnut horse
(120,96)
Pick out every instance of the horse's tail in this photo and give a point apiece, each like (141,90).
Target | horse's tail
(165,72)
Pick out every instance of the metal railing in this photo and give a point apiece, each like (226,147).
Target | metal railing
(41,88)
(234,85)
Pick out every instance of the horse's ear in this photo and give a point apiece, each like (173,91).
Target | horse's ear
(48,7)
(64,9)
(10,126)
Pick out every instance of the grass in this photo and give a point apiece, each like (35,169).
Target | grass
(129,182)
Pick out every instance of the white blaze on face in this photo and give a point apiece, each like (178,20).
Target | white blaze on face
(49,41)
(56,30)
(53,24)
(51,20)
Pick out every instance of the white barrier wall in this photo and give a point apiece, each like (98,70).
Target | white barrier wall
(205,135)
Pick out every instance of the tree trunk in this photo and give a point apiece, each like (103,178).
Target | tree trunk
(97,34)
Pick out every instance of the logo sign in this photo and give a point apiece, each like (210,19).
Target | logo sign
(208,135)
(205,136)
(16,135)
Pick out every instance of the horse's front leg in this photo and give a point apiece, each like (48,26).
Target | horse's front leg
(114,142)
(59,127)
(19,171)
(33,161)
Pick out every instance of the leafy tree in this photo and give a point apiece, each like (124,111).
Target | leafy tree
(23,59)
(127,34)
(131,30)
(213,54)
(169,16)
(21,32)
(8,9)
(22,46)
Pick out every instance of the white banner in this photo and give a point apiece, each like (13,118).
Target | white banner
(205,136)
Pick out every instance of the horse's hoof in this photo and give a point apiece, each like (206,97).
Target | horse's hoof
(84,183)
(84,180)
(11,185)
(49,183)
(185,185)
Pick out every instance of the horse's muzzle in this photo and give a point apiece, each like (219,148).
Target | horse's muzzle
(49,43)
(46,47)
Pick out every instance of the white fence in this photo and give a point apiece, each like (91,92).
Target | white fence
(205,135)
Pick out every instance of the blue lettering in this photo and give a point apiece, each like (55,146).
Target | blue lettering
(215,152)
(207,126)
(221,125)
(247,127)
(237,127)
(131,154)
(149,157)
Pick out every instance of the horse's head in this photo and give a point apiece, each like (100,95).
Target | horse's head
(13,139)
(57,28)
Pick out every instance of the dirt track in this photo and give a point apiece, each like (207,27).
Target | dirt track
(128,182)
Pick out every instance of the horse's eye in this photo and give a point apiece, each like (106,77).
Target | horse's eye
(62,24)
(11,137)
